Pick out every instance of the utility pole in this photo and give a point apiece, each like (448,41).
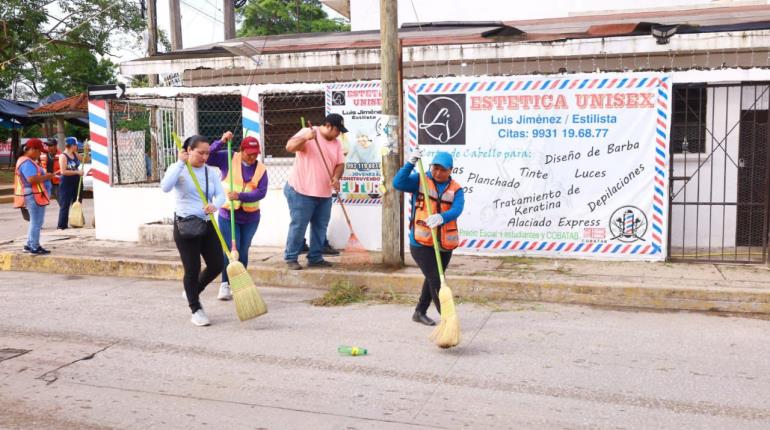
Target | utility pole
(229,12)
(152,37)
(390,56)
(175,15)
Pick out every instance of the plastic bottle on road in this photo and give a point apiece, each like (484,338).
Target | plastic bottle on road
(351,350)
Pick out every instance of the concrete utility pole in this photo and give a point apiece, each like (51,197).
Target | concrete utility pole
(390,56)
(229,12)
(152,37)
(175,15)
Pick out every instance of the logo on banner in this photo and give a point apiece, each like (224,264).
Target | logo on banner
(338,98)
(628,224)
(441,119)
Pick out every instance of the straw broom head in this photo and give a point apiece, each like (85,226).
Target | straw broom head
(248,302)
(447,333)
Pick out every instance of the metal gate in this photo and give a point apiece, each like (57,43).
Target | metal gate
(719,180)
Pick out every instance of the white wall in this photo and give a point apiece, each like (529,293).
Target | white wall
(364,14)
(119,211)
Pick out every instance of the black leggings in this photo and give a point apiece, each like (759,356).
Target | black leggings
(191,250)
(425,257)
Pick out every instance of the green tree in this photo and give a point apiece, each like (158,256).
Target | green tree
(41,53)
(266,17)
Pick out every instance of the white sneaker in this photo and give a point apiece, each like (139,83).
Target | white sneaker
(200,319)
(224,292)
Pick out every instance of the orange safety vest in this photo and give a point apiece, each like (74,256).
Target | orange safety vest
(448,235)
(38,190)
(44,164)
(238,184)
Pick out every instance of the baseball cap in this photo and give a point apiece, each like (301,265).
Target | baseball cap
(71,141)
(250,145)
(336,120)
(443,159)
(33,143)
(51,142)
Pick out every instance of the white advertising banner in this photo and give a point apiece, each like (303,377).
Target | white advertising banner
(573,166)
(131,162)
(360,104)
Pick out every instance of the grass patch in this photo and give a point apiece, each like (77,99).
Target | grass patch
(341,293)
(6,176)
(390,297)
(517,260)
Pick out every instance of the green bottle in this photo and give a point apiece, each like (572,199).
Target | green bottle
(351,350)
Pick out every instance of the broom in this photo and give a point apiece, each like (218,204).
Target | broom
(76,218)
(248,302)
(447,333)
(354,252)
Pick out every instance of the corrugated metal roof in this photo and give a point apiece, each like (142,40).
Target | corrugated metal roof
(442,33)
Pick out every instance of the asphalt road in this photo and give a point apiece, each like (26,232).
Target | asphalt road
(121,353)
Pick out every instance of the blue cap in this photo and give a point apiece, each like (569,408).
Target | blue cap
(443,159)
(71,141)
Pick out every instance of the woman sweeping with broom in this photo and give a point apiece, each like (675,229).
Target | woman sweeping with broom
(249,180)
(194,234)
(445,206)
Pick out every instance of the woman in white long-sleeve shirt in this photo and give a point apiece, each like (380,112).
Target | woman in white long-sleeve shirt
(192,214)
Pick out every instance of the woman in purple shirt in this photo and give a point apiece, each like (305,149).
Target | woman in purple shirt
(250,186)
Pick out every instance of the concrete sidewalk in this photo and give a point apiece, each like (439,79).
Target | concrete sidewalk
(665,286)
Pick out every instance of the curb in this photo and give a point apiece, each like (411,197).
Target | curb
(618,294)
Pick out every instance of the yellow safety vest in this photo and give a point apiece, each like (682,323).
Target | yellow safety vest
(240,186)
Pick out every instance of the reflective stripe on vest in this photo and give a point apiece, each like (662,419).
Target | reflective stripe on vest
(448,235)
(237,172)
(38,190)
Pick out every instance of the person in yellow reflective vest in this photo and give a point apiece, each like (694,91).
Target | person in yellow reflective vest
(31,191)
(447,201)
(250,186)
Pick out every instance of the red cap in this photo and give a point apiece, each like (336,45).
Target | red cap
(250,145)
(33,143)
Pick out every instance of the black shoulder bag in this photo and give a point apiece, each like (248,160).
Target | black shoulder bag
(192,227)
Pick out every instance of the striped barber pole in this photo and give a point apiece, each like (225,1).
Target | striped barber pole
(100,155)
(252,122)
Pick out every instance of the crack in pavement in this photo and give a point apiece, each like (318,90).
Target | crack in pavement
(259,405)
(459,356)
(51,376)
(705,408)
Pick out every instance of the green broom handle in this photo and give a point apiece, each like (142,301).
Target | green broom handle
(178,143)
(426,194)
(232,188)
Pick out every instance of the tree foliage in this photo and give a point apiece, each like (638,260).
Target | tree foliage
(266,17)
(42,53)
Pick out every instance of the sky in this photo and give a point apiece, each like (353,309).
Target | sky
(202,23)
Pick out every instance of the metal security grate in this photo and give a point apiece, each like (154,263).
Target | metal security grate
(719,173)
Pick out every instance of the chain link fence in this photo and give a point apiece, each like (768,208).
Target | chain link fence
(141,130)
(282,113)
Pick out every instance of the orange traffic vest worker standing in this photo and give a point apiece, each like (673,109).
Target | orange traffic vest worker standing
(446,205)
(31,192)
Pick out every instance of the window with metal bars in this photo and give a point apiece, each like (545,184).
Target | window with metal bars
(688,119)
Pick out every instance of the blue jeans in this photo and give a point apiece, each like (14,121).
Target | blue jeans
(244,233)
(67,194)
(303,210)
(36,218)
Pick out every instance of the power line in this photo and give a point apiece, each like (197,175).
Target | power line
(52,40)
(202,12)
